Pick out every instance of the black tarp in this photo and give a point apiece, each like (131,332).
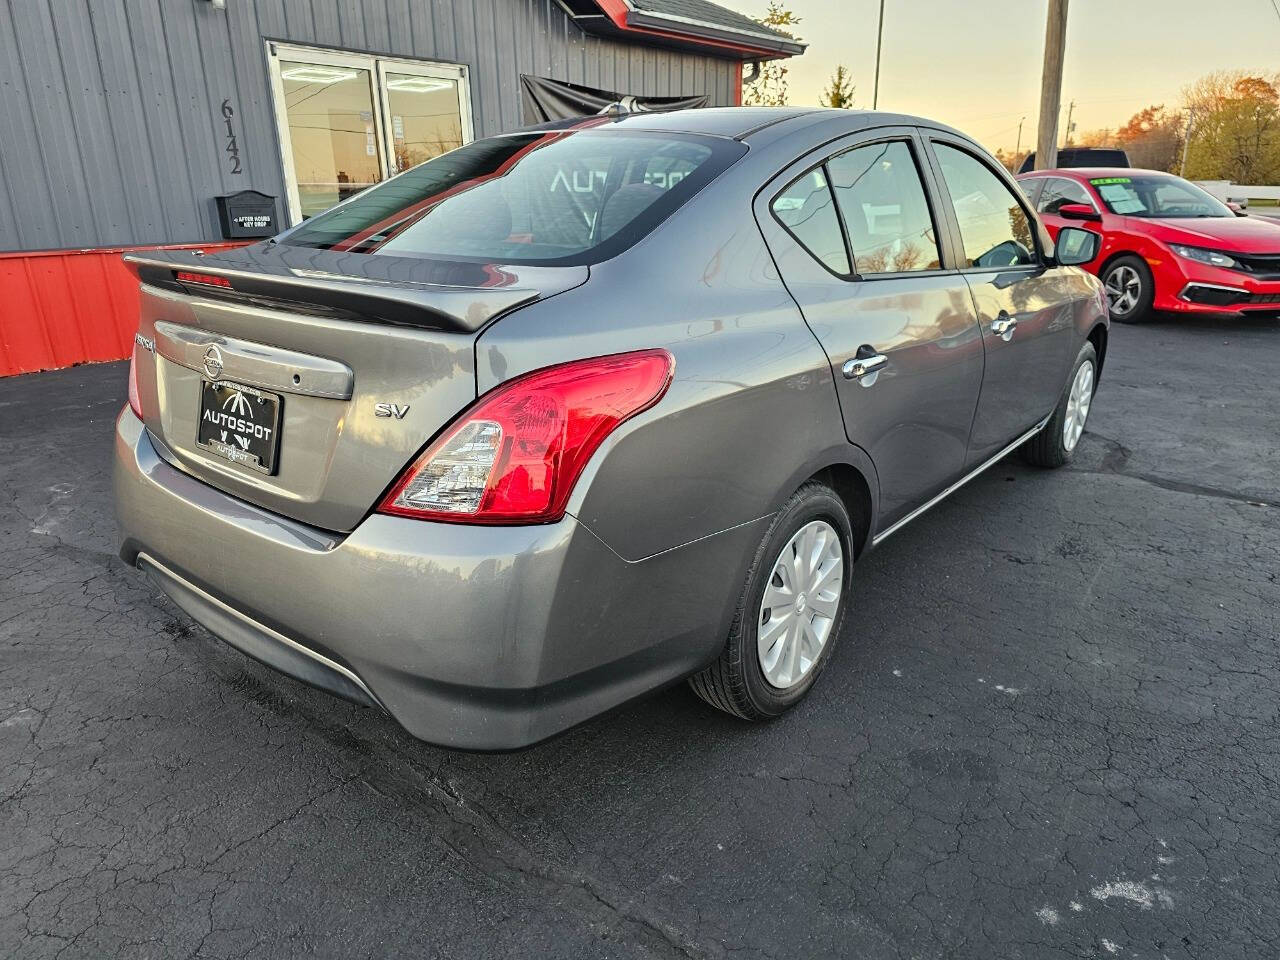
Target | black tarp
(545,99)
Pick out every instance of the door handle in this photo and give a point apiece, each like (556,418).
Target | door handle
(856,368)
(1004,325)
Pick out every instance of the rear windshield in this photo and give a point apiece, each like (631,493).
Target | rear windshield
(553,198)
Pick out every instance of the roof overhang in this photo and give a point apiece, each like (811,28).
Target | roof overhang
(622,21)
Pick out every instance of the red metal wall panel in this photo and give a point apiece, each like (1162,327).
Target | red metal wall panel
(62,307)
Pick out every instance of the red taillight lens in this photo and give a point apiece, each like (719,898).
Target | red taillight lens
(516,454)
(206,279)
(135,403)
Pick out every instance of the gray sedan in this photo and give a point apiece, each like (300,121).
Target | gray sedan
(569,414)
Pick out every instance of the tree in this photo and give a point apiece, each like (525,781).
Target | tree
(1152,138)
(1101,137)
(1011,160)
(769,89)
(840,92)
(1235,128)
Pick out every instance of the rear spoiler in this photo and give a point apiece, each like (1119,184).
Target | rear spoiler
(405,303)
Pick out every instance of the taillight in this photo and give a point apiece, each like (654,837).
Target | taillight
(515,455)
(135,403)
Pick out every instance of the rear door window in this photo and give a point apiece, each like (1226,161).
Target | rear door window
(808,211)
(558,198)
(885,212)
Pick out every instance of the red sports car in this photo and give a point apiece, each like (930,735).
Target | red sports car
(1166,244)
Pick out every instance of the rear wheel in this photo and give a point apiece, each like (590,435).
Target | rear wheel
(790,610)
(1056,443)
(1130,289)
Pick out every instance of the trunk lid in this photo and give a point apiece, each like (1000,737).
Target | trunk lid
(369,357)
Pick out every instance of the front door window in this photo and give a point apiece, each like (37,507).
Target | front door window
(1058,192)
(995,229)
(348,121)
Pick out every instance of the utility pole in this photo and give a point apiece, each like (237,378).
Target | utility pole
(1055,36)
(1066,137)
(875,91)
(1186,141)
(1017,151)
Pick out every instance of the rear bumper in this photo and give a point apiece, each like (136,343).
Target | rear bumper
(469,636)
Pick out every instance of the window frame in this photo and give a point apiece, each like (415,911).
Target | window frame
(869,138)
(1038,235)
(377,67)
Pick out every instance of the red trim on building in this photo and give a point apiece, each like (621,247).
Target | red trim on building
(737,84)
(63,307)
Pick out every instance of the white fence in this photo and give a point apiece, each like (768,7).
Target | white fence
(1225,190)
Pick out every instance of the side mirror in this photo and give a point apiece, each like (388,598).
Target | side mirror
(1237,208)
(1075,247)
(1079,211)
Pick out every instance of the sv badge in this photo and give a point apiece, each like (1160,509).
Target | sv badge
(396,410)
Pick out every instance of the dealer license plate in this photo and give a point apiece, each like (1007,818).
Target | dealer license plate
(239,423)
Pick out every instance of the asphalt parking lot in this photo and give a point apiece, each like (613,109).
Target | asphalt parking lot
(1050,731)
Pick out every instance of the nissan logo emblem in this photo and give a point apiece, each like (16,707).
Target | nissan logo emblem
(213,362)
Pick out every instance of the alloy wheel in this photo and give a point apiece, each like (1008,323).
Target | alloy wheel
(1078,402)
(1124,289)
(798,609)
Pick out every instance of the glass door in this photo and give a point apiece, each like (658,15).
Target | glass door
(348,121)
(330,128)
(425,112)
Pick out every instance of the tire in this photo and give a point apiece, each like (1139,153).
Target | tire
(739,682)
(1053,446)
(1130,289)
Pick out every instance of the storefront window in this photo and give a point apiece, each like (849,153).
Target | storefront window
(425,121)
(349,121)
(331,132)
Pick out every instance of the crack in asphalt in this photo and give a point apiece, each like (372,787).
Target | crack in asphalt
(1116,462)
(478,839)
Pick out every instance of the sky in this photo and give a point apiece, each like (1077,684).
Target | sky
(976,64)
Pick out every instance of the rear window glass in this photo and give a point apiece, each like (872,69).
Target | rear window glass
(557,198)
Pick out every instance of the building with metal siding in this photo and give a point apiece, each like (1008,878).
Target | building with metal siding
(122,120)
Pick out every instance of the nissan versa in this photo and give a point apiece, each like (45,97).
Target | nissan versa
(566,415)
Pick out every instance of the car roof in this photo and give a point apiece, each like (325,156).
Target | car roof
(717,121)
(1089,173)
(742,122)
